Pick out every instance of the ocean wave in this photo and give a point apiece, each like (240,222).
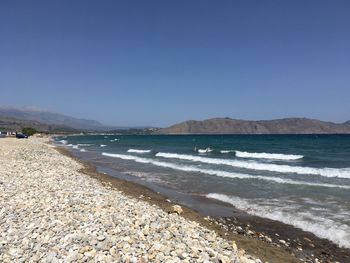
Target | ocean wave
(279,168)
(274,156)
(226,151)
(189,168)
(82,150)
(63,142)
(84,144)
(321,227)
(138,151)
(75,147)
(103,145)
(207,150)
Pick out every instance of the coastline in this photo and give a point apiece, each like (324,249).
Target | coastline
(52,212)
(264,251)
(267,239)
(57,207)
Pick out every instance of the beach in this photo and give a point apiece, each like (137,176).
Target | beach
(58,208)
(53,212)
(296,223)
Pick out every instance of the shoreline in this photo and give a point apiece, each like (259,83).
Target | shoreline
(53,212)
(260,249)
(258,236)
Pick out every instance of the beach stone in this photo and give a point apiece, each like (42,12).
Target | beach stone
(283,242)
(101,238)
(52,212)
(234,246)
(177,209)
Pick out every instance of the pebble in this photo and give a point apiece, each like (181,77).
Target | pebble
(177,209)
(51,212)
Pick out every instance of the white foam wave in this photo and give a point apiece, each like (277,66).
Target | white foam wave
(322,227)
(84,144)
(274,156)
(103,145)
(189,168)
(226,151)
(207,150)
(138,151)
(82,150)
(63,142)
(75,147)
(279,168)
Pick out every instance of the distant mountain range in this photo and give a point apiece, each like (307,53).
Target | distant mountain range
(48,121)
(12,124)
(14,119)
(279,126)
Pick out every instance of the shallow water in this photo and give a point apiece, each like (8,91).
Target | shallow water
(301,180)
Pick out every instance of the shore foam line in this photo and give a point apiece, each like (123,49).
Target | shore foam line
(252,165)
(188,168)
(321,227)
(272,156)
(138,151)
(63,142)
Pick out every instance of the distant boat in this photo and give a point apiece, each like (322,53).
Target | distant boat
(207,150)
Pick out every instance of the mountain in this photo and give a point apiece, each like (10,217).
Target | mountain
(347,123)
(50,118)
(13,124)
(279,126)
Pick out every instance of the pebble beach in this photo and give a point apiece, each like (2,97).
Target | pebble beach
(52,212)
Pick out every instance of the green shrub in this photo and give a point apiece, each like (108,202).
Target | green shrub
(29,131)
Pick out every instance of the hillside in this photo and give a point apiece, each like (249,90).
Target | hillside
(13,124)
(279,126)
(49,118)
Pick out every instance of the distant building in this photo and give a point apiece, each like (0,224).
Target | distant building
(7,133)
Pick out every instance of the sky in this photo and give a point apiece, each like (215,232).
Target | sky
(132,63)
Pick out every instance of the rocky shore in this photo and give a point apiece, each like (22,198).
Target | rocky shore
(52,212)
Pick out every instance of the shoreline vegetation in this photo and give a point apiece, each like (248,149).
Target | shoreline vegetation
(58,207)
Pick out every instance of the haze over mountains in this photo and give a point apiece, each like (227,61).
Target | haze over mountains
(15,119)
(36,117)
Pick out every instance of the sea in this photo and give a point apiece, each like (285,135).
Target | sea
(299,180)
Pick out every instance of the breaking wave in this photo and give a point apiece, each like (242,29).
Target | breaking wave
(226,151)
(103,145)
(321,227)
(189,168)
(63,142)
(279,168)
(274,156)
(138,151)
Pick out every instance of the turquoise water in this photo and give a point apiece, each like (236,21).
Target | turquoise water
(301,180)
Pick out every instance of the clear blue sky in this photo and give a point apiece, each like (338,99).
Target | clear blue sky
(160,62)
